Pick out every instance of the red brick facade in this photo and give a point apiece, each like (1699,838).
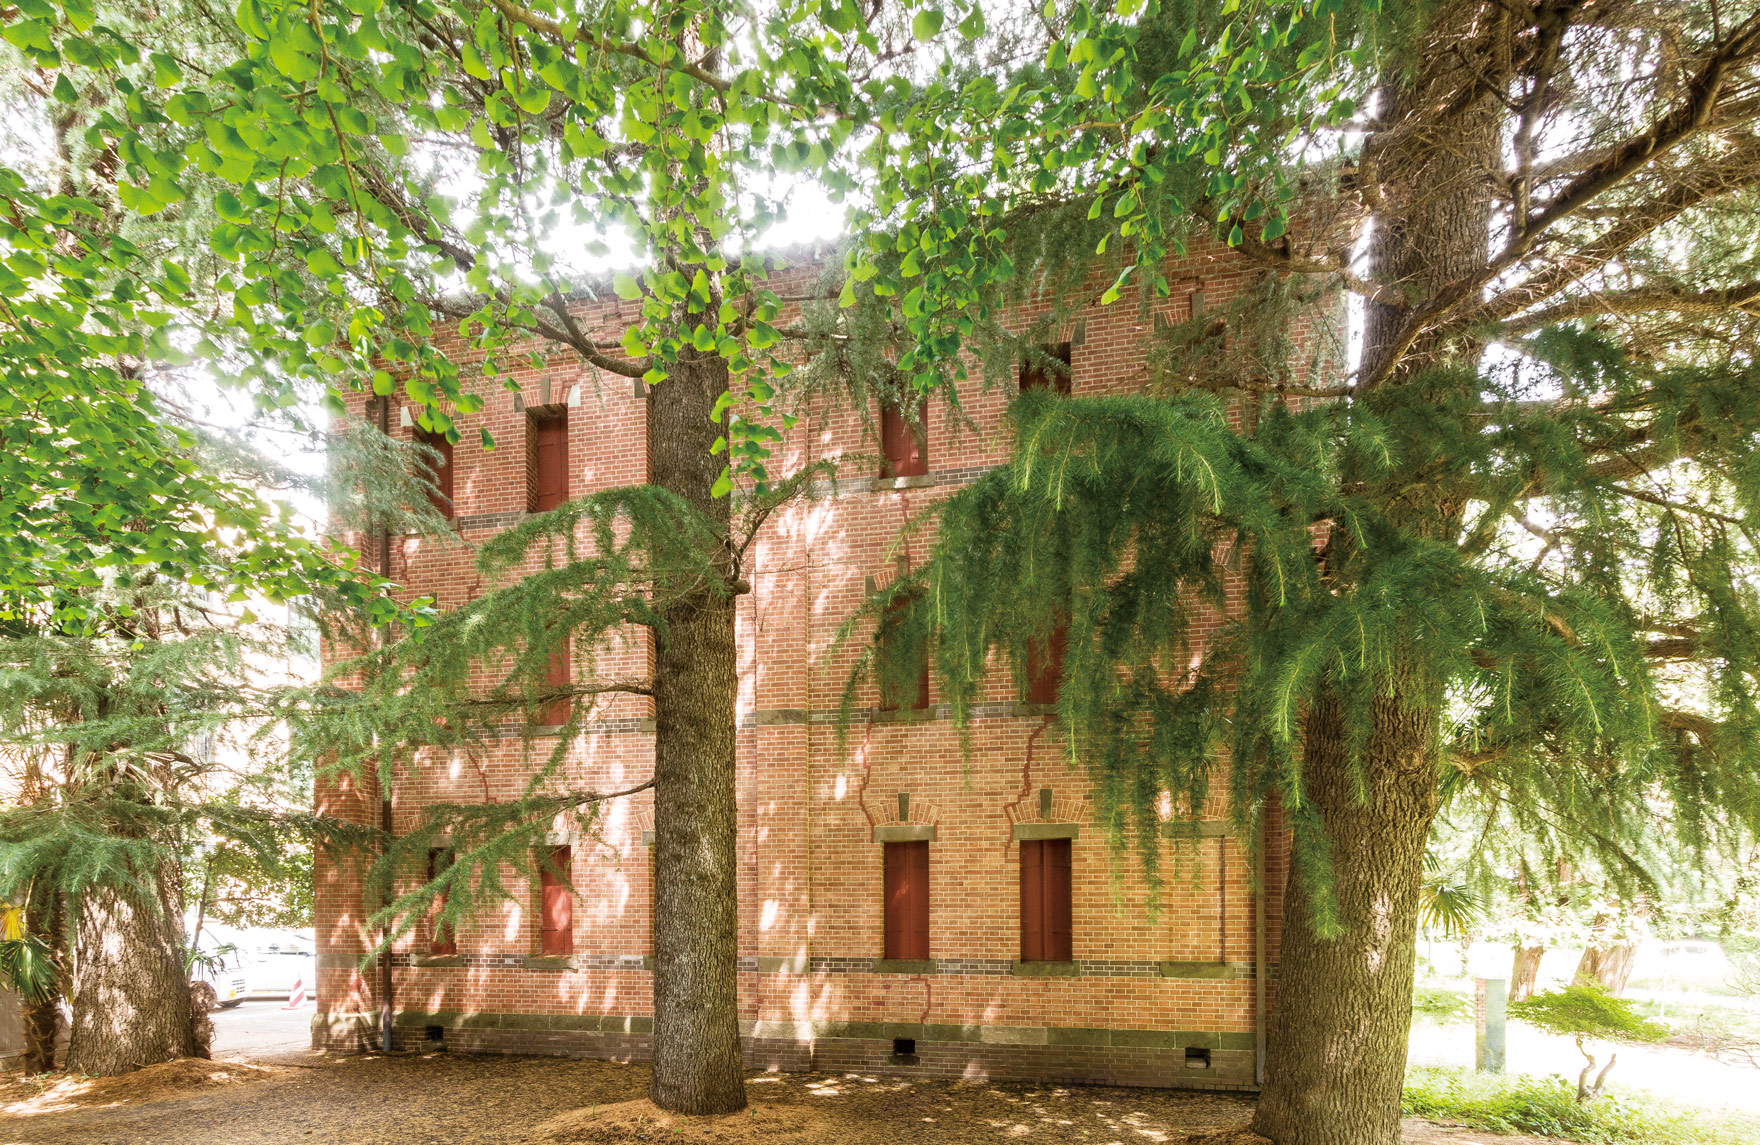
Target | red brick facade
(1151,999)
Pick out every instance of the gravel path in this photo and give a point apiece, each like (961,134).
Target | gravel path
(262,1026)
(450,1099)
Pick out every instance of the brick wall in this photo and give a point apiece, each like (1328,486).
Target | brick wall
(1148,995)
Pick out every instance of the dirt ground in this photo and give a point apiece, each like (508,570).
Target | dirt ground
(453,1099)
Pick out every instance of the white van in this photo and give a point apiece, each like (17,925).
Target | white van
(275,959)
(221,966)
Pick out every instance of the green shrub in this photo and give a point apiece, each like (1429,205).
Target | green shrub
(1582,1010)
(1548,1107)
(1586,1010)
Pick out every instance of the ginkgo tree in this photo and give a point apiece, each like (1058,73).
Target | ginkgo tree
(96,472)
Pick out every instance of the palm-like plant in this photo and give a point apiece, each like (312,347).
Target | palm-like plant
(27,963)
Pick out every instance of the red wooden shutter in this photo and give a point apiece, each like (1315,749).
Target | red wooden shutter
(1045,666)
(907,900)
(905,445)
(1059,921)
(919,917)
(441,940)
(1047,930)
(439,471)
(556,918)
(547,460)
(560,674)
(1036,374)
(1032,900)
(895,695)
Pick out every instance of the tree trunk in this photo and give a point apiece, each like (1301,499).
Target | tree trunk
(42,1022)
(1338,1033)
(1335,1066)
(1524,972)
(1609,965)
(130,994)
(697,1062)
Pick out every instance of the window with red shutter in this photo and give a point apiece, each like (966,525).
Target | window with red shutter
(441,940)
(1037,373)
(900,685)
(906,446)
(546,458)
(556,903)
(560,674)
(1045,666)
(1047,930)
(907,900)
(438,471)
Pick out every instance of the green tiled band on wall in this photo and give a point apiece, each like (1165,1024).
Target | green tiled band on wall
(866,1031)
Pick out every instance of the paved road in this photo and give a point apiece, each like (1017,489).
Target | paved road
(257,1027)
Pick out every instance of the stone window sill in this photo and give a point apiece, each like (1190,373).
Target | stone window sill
(1197,970)
(1024,969)
(904,966)
(438,960)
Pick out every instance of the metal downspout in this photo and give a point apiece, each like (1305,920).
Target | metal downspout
(1259,890)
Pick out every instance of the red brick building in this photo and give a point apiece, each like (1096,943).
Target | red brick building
(903,907)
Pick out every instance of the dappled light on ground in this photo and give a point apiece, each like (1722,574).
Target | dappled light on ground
(55,1093)
(457,1099)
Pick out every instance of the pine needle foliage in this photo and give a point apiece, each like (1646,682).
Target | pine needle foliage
(1585,664)
(578,582)
(108,714)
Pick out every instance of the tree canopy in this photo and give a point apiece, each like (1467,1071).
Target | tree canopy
(1508,542)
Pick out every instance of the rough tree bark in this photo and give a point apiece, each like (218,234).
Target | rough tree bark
(1336,1060)
(1609,965)
(129,992)
(1338,1032)
(697,1061)
(42,1022)
(1524,972)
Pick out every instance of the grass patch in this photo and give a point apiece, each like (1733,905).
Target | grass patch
(1547,1107)
(1694,1015)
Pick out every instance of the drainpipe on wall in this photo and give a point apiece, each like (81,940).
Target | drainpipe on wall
(1259,891)
(385,821)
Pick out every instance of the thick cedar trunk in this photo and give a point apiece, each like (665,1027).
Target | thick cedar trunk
(1336,1060)
(130,994)
(1609,965)
(1524,972)
(697,1064)
(1338,1033)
